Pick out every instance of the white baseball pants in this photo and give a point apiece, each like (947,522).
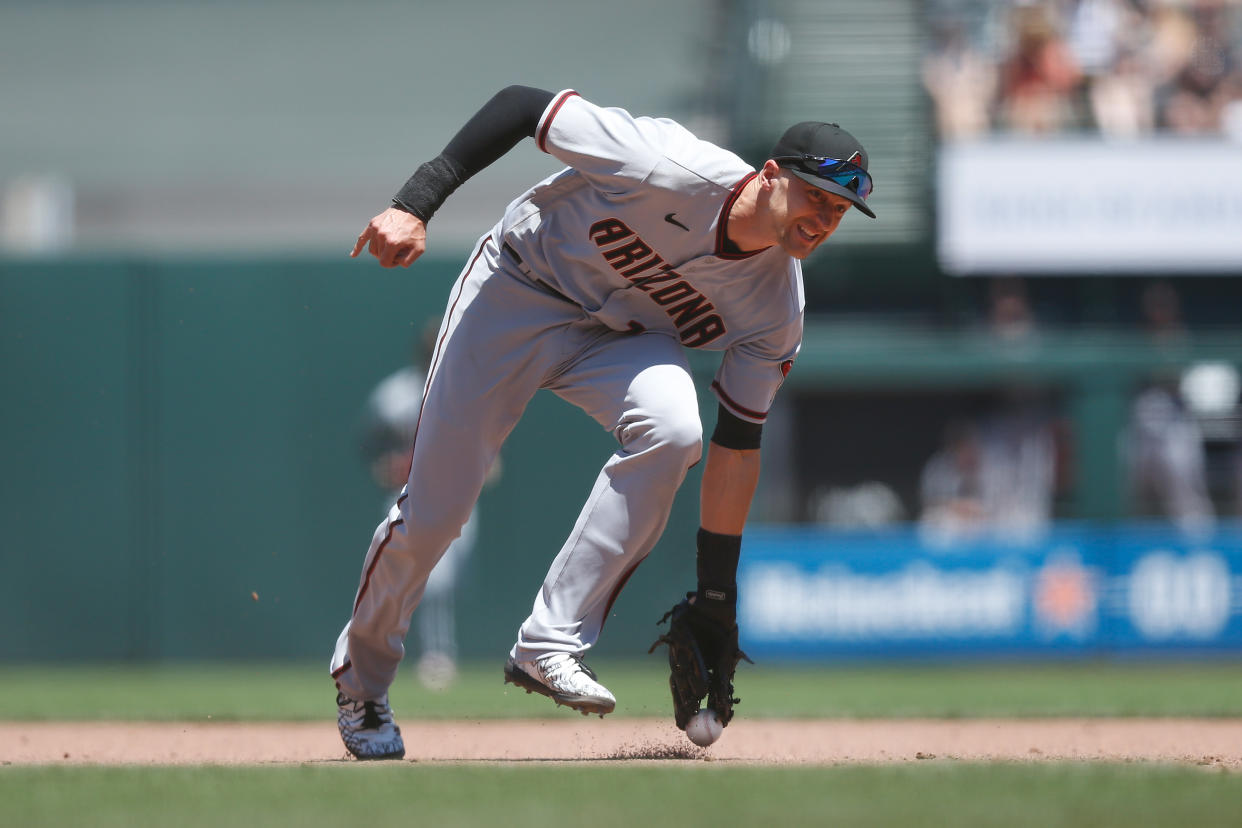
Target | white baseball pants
(503,338)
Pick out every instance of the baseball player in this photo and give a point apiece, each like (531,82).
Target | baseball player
(592,283)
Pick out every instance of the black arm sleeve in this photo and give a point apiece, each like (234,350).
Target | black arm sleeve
(735,433)
(511,115)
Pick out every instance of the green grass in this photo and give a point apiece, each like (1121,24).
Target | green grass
(257,692)
(607,794)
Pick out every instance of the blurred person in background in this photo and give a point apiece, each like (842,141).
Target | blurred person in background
(961,81)
(1163,446)
(1194,101)
(1124,68)
(1122,102)
(1039,76)
(1166,461)
(1161,310)
(994,477)
(951,486)
(390,420)
(1107,40)
(871,504)
(1010,318)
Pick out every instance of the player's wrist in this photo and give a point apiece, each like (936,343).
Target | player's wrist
(429,187)
(716,564)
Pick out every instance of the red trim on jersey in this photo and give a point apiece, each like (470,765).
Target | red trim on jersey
(340,671)
(729,401)
(723,220)
(541,139)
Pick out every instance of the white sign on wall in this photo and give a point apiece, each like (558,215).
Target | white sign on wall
(1085,206)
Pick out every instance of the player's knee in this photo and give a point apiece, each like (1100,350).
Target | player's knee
(680,433)
(668,431)
(686,432)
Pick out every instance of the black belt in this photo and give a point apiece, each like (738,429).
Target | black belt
(508,248)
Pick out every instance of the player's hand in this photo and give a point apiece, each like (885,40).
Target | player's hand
(395,237)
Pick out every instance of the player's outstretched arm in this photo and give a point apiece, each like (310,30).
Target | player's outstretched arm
(398,236)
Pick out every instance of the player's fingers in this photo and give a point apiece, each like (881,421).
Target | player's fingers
(410,255)
(363,237)
(391,252)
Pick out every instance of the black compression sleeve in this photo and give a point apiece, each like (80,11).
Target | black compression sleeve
(732,432)
(512,114)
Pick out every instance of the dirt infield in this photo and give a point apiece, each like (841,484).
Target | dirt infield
(1216,742)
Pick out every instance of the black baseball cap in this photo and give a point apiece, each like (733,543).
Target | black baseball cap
(815,140)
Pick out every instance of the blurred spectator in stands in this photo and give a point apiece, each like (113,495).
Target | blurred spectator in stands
(1122,67)
(960,79)
(390,421)
(1123,101)
(1039,76)
(1010,318)
(1208,80)
(993,478)
(1107,39)
(869,505)
(1163,447)
(1165,459)
(951,485)
(1095,34)
(996,476)
(1171,41)
(1162,314)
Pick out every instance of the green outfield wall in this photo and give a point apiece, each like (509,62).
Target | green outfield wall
(182,478)
(179,437)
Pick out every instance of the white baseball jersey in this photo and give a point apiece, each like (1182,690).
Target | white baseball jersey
(634,232)
(588,287)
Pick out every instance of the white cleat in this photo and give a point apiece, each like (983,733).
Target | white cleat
(563,678)
(367,728)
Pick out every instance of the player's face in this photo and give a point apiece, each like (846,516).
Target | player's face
(810,216)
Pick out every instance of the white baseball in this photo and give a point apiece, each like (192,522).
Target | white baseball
(704,728)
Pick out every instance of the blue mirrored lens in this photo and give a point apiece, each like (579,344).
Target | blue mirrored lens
(858,182)
(849,176)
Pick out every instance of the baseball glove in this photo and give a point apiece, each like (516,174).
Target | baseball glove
(702,657)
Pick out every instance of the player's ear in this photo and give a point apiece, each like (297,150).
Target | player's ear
(769,172)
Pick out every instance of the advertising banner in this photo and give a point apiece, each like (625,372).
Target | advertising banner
(1078,591)
(1087,205)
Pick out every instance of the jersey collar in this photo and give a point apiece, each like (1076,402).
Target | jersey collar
(723,220)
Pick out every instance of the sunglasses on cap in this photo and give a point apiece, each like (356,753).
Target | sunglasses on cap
(842,173)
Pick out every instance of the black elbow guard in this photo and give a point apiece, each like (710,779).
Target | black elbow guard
(732,432)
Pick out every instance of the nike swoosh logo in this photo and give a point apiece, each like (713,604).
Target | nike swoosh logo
(671,220)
